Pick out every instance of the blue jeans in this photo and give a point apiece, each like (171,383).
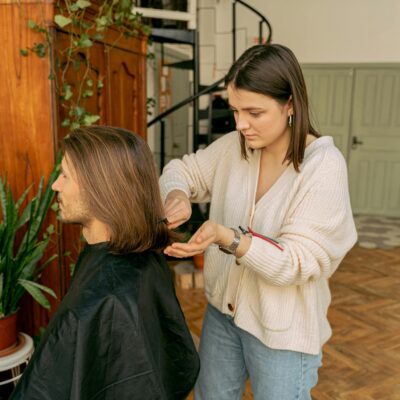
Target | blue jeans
(229,355)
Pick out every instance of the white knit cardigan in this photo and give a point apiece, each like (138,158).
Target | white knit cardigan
(279,295)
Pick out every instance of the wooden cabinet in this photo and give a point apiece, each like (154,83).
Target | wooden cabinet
(30,116)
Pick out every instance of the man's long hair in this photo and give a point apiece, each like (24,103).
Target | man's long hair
(116,172)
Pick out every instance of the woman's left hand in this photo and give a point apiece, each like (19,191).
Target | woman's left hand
(209,233)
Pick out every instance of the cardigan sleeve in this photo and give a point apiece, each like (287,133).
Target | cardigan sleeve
(316,234)
(194,174)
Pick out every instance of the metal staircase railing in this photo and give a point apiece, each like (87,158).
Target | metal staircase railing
(263,21)
(197,92)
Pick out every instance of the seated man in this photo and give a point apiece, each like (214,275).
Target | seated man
(119,332)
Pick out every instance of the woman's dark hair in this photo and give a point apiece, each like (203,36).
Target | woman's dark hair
(116,170)
(274,71)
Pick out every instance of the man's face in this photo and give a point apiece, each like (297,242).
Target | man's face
(72,206)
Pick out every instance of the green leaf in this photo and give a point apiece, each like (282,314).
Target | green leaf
(3,197)
(87,93)
(26,214)
(102,22)
(72,268)
(125,5)
(54,206)
(44,265)
(40,287)
(74,125)
(100,84)
(90,119)
(35,290)
(67,91)
(62,21)
(84,41)
(74,8)
(98,36)
(39,49)
(89,82)
(66,122)
(23,52)
(83,4)
(31,24)
(79,111)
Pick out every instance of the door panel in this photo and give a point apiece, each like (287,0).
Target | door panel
(329,91)
(96,72)
(374,165)
(127,90)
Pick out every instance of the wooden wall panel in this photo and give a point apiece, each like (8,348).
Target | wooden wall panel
(27,136)
(26,127)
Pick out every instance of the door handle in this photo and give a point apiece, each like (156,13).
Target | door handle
(355,142)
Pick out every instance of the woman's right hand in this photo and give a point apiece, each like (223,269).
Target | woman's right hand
(177,208)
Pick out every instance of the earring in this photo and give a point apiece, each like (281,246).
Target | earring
(290,120)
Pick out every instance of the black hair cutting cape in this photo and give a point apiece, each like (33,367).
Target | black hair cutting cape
(119,333)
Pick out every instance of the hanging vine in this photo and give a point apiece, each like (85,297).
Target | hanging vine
(84,31)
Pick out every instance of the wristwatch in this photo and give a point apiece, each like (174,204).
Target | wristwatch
(231,249)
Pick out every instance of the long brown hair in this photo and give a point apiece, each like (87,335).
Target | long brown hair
(116,171)
(274,71)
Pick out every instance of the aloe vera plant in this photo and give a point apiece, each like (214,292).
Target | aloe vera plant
(19,259)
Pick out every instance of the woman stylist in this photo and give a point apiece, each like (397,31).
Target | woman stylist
(280,224)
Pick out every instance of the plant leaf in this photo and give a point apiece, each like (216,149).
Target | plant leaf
(66,122)
(62,21)
(83,4)
(67,91)
(34,289)
(31,24)
(85,43)
(90,119)
(3,197)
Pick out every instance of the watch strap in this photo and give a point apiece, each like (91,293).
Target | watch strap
(231,249)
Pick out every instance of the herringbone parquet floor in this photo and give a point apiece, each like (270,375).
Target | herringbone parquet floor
(362,359)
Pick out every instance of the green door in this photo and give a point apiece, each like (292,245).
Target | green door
(329,91)
(374,151)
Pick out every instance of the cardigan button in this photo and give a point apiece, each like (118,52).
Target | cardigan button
(230,307)
(237,262)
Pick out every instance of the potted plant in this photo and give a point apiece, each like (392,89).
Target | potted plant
(21,249)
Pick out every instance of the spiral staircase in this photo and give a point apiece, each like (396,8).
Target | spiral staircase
(180,27)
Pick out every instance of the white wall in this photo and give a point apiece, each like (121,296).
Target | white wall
(318,31)
(336,31)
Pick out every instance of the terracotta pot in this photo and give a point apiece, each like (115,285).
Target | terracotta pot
(8,331)
(198,260)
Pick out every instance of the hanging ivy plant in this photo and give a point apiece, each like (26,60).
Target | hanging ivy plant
(84,31)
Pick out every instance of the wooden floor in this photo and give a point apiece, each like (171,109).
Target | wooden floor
(362,359)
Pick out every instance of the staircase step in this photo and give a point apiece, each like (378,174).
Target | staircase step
(203,114)
(187,64)
(216,89)
(216,113)
(202,139)
(168,35)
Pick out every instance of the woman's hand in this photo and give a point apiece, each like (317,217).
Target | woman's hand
(209,233)
(177,208)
